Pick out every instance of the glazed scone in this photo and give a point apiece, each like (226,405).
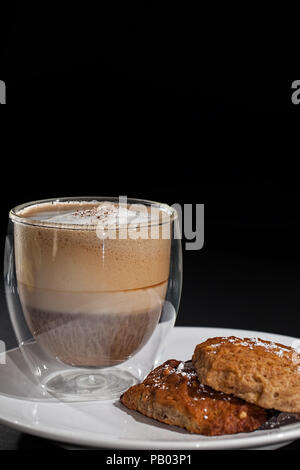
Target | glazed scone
(172,394)
(261,372)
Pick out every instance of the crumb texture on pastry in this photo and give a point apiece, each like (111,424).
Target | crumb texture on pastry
(172,394)
(261,372)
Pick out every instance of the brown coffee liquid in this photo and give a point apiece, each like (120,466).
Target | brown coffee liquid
(92,340)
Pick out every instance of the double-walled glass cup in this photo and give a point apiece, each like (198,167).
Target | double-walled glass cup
(93,287)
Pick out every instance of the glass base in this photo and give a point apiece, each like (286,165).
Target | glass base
(82,386)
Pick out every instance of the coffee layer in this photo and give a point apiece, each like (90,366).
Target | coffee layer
(92,340)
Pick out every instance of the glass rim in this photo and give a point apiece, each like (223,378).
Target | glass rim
(14,215)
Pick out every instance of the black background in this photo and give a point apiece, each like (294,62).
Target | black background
(140,101)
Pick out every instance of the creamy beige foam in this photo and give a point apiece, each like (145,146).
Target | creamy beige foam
(73,283)
(72,260)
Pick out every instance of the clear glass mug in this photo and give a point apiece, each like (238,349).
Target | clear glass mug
(93,287)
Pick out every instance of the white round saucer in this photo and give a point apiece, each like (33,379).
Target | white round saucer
(109,424)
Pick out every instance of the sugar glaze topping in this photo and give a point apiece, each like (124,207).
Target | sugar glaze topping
(254,342)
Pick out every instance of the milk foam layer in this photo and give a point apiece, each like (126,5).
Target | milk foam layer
(121,302)
(107,215)
(94,213)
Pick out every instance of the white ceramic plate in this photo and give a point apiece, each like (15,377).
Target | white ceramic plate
(109,424)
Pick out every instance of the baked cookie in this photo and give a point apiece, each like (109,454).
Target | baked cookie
(258,371)
(172,394)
